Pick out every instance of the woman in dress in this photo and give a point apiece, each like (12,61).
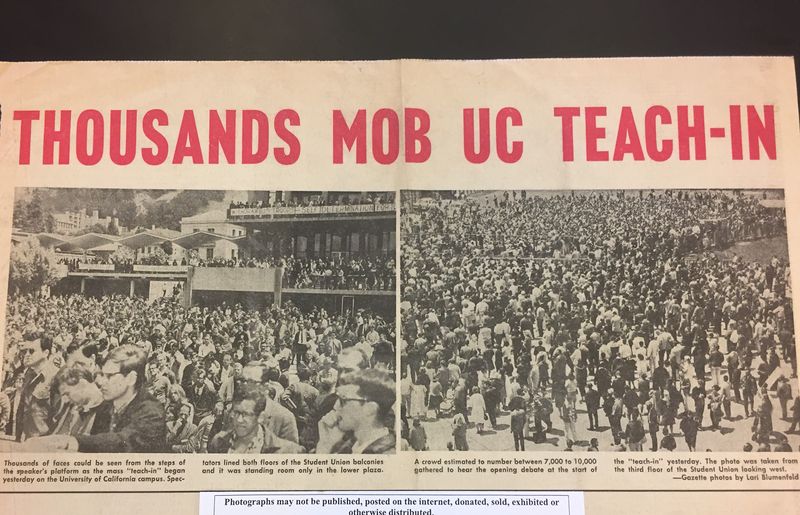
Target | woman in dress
(477,407)
(460,432)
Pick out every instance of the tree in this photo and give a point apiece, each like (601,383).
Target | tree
(159,257)
(168,213)
(123,254)
(113,228)
(30,216)
(32,267)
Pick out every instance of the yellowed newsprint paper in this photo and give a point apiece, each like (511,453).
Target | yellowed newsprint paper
(450,276)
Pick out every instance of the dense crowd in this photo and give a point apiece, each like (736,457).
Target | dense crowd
(536,304)
(584,224)
(356,273)
(119,374)
(329,200)
(351,274)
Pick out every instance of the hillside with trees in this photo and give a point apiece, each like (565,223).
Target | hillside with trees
(34,207)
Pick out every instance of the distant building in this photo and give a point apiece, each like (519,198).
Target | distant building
(73,221)
(208,247)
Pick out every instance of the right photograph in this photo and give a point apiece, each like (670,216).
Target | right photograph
(597,320)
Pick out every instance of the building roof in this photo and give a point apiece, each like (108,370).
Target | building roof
(147,238)
(197,239)
(87,241)
(109,243)
(105,247)
(249,242)
(47,239)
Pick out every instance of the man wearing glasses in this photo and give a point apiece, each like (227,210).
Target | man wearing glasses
(362,420)
(248,436)
(35,410)
(128,420)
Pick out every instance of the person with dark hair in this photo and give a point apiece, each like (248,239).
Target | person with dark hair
(795,415)
(274,417)
(615,417)
(187,373)
(201,394)
(519,418)
(80,398)
(635,433)
(690,424)
(749,390)
(84,355)
(128,420)
(35,406)
(418,439)
(592,405)
(362,421)
(247,435)
(653,419)
(229,383)
(205,431)
(180,430)
(784,393)
(157,382)
(304,386)
(668,442)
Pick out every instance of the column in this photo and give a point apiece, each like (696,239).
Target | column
(278,288)
(133,287)
(83,285)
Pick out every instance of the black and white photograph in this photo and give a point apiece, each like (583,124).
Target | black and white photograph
(200,321)
(598,320)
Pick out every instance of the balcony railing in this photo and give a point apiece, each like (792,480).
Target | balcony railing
(290,211)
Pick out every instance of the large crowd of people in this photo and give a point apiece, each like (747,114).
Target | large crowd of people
(344,199)
(355,273)
(121,374)
(576,311)
(347,274)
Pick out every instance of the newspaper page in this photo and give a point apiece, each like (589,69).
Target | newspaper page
(405,276)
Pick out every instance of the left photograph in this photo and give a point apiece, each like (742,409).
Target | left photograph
(200,321)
